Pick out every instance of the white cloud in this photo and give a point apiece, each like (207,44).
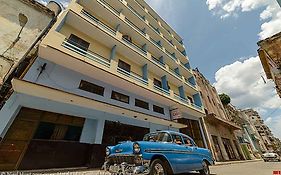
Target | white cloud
(242,81)
(271,15)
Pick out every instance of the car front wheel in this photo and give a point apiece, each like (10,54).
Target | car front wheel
(205,169)
(158,167)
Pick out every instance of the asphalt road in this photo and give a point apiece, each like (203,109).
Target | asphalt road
(251,168)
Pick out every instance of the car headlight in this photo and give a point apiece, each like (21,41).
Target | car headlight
(136,148)
(107,151)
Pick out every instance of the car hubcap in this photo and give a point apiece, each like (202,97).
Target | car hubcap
(158,169)
(205,168)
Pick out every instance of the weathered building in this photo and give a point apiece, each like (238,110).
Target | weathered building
(219,128)
(107,71)
(268,140)
(24,23)
(270,56)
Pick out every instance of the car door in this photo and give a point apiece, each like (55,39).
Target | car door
(194,158)
(182,154)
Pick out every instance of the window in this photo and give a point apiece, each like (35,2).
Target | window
(187,141)
(125,66)
(90,87)
(141,104)
(52,131)
(177,139)
(158,109)
(190,99)
(157,83)
(120,97)
(164,137)
(79,42)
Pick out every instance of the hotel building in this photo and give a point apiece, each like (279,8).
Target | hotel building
(106,72)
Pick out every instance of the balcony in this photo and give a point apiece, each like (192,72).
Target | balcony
(160,89)
(110,7)
(175,73)
(86,53)
(134,45)
(135,12)
(171,55)
(132,75)
(134,26)
(98,22)
(186,101)
(158,61)
(155,43)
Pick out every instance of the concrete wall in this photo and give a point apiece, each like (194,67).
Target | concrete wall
(67,80)
(9,30)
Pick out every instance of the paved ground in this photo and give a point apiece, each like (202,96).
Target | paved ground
(251,168)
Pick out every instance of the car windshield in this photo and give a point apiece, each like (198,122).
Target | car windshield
(158,137)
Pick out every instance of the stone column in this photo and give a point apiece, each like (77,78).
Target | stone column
(223,150)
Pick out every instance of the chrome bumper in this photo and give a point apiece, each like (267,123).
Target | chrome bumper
(140,167)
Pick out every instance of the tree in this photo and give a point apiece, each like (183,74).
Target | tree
(225,99)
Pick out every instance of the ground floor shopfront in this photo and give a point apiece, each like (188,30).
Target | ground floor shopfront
(41,133)
(222,141)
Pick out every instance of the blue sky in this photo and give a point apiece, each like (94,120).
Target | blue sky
(220,38)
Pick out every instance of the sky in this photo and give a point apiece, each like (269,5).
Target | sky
(220,37)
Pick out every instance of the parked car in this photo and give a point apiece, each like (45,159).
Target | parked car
(163,152)
(271,156)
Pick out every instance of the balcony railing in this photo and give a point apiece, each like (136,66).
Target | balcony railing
(155,42)
(132,75)
(196,106)
(86,53)
(183,65)
(140,4)
(134,26)
(186,101)
(171,55)
(153,16)
(135,46)
(175,73)
(157,61)
(160,89)
(154,28)
(190,84)
(110,7)
(98,22)
(135,12)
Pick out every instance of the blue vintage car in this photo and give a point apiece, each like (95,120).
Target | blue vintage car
(163,152)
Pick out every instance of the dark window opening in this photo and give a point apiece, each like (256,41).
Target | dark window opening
(158,109)
(157,83)
(51,131)
(90,87)
(190,99)
(79,42)
(125,66)
(120,97)
(141,104)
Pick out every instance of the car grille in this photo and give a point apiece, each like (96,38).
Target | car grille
(130,159)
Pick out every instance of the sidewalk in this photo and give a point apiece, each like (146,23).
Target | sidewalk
(236,162)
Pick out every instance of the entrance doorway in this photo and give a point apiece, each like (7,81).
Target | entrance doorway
(192,130)
(228,148)
(115,132)
(217,149)
(41,139)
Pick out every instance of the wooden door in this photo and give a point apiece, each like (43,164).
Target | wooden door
(15,142)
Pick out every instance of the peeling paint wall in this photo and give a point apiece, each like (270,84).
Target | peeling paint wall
(10,28)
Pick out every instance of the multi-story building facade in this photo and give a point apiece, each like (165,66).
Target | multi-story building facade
(107,71)
(219,128)
(265,133)
(270,56)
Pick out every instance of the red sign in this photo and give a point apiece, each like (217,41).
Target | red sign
(276,172)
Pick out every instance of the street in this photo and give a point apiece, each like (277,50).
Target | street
(251,168)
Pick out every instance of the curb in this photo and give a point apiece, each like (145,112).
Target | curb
(236,162)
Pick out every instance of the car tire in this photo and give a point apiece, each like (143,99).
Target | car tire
(158,167)
(265,160)
(205,170)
